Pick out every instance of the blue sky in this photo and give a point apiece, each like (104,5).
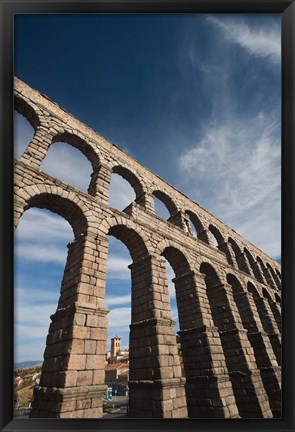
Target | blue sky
(195,98)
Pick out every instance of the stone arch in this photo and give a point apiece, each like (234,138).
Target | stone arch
(263,352)
(211,276)
(276,310)
(151,321)
(169,244)
(26,109)
(63,207)
(267,320)
(132,240)
(177,259)
(79,143)
(37,147)
(235,283)
(197,223)
(227,319)
(134,182)
(254,266)
(198,358)
(205,262)
(77,309)
(167,201)
(222,246)
(241,262)
(274,275)
(243,302)
(253,290)
(217,234)
(87,150)
(183,279)
(278,273)
(265,272)
(267,295)
(277,297)
(64,203)
(120,228)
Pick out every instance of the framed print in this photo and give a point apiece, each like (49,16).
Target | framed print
(147,215)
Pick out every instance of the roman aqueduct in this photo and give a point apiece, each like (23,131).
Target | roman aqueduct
(228,296)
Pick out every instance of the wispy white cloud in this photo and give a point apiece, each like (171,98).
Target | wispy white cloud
(230,162)
(118,300)
(41,253)
(121,193)
(37,297)
(262,41)
(236,166)
(33,320)
(117,267)
(68,164)
(42,237)
(119,319)
(36,222)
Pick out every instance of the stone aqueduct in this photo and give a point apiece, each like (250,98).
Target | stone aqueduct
(228,297)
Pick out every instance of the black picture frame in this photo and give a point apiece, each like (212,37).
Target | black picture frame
(11,7)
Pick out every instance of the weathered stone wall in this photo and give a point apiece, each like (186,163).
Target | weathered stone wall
(228,297)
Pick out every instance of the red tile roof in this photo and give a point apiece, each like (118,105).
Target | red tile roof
(115,366)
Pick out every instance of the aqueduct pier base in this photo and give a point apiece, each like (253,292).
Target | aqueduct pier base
(228,296)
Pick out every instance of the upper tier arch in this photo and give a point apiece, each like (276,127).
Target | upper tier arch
(27,110)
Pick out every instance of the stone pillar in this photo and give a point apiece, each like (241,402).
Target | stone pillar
(276,310)
(100,184)
(208,387)
(177,219)
(264,355)
(255,269)
(20,200)
(268,276)
(226,250)
(275,278)
(274,282)
(203,235)
(251,398)
(269,325)
(242,263)
(72,379)
(261,272)
(249,265)
(156,386)
(279,275)
(38,148)
(146,200)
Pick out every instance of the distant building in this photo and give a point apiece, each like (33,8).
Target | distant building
(123,357)
(123,377)
(115,346)
(36,375)
(117,354)
(18,381)
(112,372)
